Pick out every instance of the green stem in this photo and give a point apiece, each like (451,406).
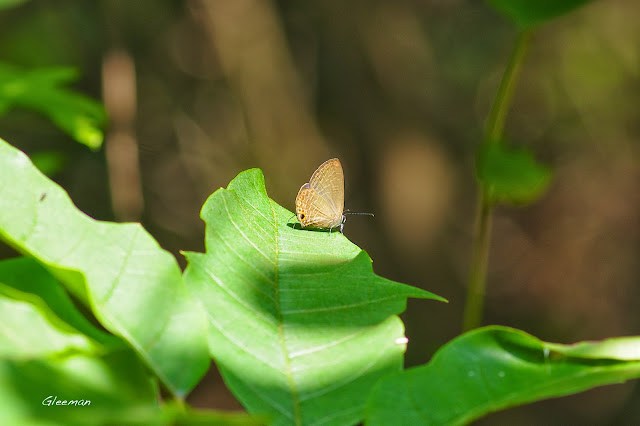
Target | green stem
(497,116)
(479,263)
(482,238)
(180,403)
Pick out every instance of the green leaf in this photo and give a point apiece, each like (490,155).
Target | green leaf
(526,14)
(6,4)
(41,90)
(492,368)
(27,329)
(24,281)
(43,353)
(43,357)
(301,327)
(174,414)
(49,162)
(510,175)
(132,286)
(112,383)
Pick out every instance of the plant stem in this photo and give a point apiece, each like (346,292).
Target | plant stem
(479,263)
(180,404)
(482,237)
(498,114)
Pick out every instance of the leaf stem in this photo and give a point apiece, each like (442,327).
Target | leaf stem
(482,237)
(497,116)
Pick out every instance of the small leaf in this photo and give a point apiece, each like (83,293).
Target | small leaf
(492,368)
(301,327)
(49,162)
(510,175)
(41,90)
(132,286)
(526,14)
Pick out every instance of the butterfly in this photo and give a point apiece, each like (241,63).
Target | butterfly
(320,202)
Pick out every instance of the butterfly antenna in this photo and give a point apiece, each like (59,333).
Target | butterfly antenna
(359,213)
(347,212)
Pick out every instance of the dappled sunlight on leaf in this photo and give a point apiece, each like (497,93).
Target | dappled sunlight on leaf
(132,286)
(301,326)
(493,368)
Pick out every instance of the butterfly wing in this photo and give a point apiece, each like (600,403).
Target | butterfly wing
(328,181)
(313,210)
(320,203)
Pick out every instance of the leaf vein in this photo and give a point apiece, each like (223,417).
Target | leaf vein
(338,308)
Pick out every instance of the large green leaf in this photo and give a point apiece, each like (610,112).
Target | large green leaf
(111,383)
(132,286)
(44,354)
(45,361)
(529,13)
(25,280)
(301,327)
(493,368)
(42,90)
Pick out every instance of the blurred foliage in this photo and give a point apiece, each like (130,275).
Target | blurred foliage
(5,4)
(49,162)
(511,175)
(528,13)
(40,91)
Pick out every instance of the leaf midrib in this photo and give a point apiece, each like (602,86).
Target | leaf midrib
(276,279)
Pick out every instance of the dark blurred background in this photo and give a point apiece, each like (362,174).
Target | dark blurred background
(198,91)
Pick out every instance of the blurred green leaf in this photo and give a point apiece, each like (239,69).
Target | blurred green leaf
(41,90)
(492,368)
(132,286)
(28,330)
(113,383)
(49,162)
(301,327)
(24,279)
(511,175)
(43,353)
(176,415)
(526,14)
(6,4)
